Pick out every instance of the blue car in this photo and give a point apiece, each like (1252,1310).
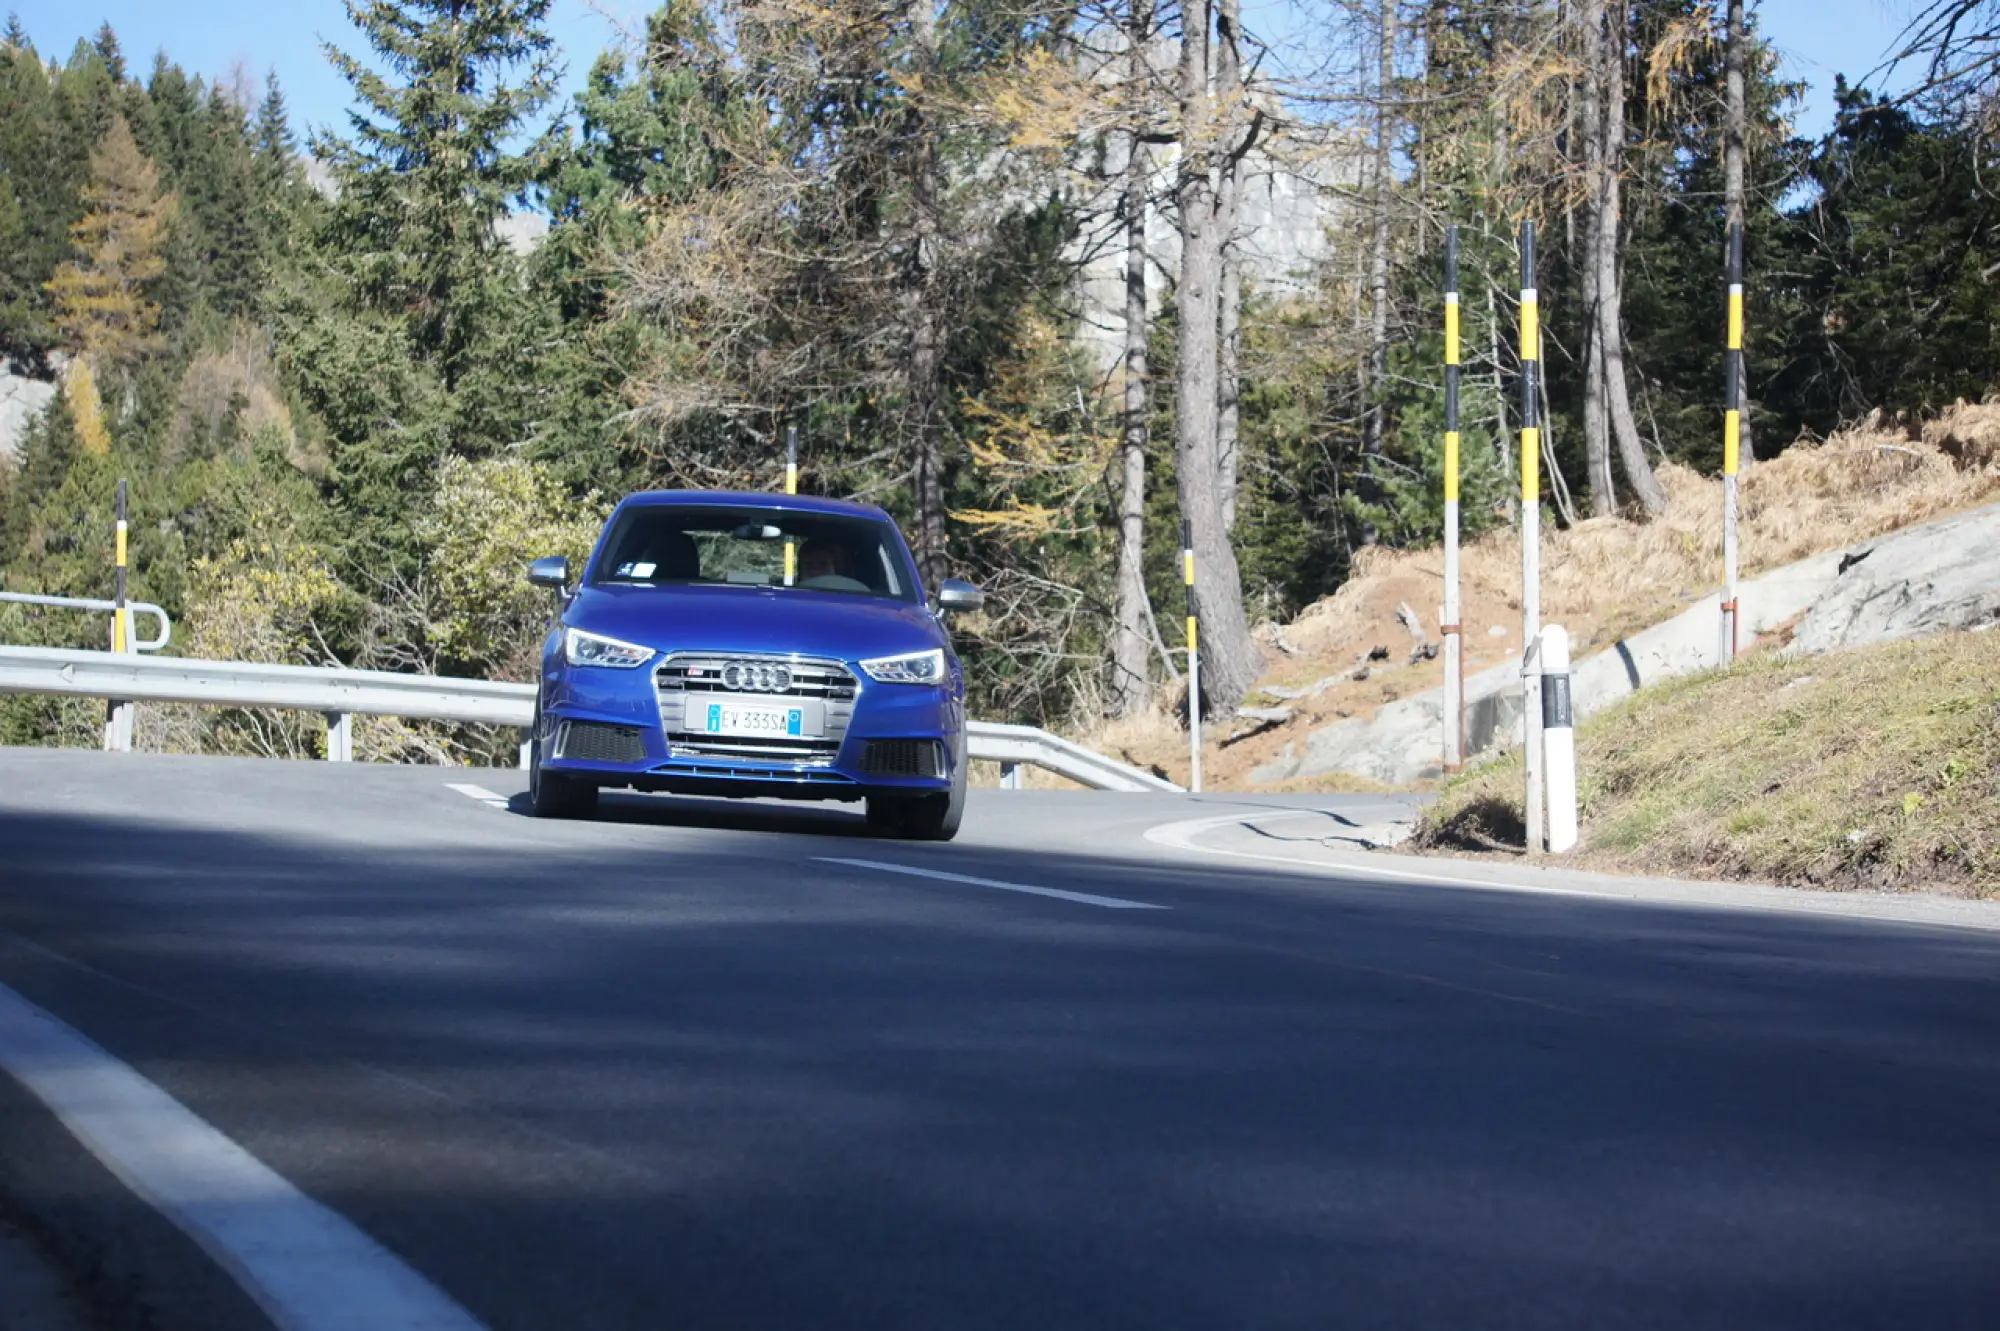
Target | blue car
(752,644)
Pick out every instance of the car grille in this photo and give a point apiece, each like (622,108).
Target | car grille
(903,757)
(596,742)
(829,682)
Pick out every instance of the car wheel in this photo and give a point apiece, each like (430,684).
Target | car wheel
(920,817)
(551,794)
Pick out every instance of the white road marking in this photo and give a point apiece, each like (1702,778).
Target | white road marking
(480,793)
(1082,898)
(305,1266)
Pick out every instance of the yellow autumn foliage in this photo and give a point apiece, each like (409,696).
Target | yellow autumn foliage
(102,303)
(86,408)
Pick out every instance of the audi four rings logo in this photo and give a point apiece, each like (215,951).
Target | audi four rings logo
(756,677)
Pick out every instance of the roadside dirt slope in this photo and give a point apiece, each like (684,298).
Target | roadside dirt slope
(1602,579)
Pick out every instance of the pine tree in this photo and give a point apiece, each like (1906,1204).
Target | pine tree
(414,329)
(106,45)
(103,299)
(15,37)
(224,196)
(428,174)
(271,138)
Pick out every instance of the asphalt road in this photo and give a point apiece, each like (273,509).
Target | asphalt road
(683,1069)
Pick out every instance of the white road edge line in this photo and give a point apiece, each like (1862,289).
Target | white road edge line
(480,793)
(1082,898)
(307,1267)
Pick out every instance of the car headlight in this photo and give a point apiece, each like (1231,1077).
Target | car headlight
(912,668)
(592,649)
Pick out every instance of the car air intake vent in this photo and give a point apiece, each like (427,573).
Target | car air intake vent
(903,757)
(596,742)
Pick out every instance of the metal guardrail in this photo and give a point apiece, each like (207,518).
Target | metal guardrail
(994,742)
(85,603)
(340,694)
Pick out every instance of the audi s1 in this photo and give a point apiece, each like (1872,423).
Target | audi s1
(752,645)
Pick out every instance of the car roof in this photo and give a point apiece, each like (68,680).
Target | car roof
(749,499)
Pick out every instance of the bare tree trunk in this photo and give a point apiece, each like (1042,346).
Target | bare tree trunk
(1375,425)
(1610,299)
(1735,132)
(1230,659)
(1228,389)
(1129,655)
(925,372)
(1596,425)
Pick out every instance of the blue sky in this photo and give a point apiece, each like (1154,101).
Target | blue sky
(1817,38)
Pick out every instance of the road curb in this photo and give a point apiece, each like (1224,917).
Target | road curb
(1239,836)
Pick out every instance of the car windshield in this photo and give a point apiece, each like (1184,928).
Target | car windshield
(756,547)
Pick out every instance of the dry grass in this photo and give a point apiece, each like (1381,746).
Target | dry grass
(1877,768)
(1603,579)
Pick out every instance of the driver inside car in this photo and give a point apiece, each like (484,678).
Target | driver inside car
(828,566)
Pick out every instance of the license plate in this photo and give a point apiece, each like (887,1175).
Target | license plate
(752,719)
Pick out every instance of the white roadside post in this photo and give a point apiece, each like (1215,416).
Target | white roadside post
(1558,738)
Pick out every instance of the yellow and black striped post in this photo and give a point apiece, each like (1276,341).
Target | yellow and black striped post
(1531,536)
(1193,658)
(117,713)
(1454,659)
(791,488)
(1732,437)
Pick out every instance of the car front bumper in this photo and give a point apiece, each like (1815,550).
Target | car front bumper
(606,726)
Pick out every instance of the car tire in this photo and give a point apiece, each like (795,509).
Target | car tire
(550,794)
(920,817)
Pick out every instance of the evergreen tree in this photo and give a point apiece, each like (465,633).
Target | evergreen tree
(224,198)
(272,139)
(1896,304)
(428,173)
(106,45)
(42,191)
(104,303)
(409,269)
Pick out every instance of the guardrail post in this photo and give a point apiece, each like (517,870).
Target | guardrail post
(526,754)
(118,714)
(1010,776)
(339,737)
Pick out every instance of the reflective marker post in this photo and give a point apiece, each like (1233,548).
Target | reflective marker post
(1559,738)
(118,714)
(1454,661)
(1732,436)
(1531,537)
(791,488)
(1194,659)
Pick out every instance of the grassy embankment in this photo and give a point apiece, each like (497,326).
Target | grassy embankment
(1876,768)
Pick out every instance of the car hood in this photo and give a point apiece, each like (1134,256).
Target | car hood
(754,619)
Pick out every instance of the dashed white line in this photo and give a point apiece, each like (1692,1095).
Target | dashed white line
(308,1268)
(480,793)
(1081,898)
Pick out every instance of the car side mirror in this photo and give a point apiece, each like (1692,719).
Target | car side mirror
(958,594)
(552,572)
